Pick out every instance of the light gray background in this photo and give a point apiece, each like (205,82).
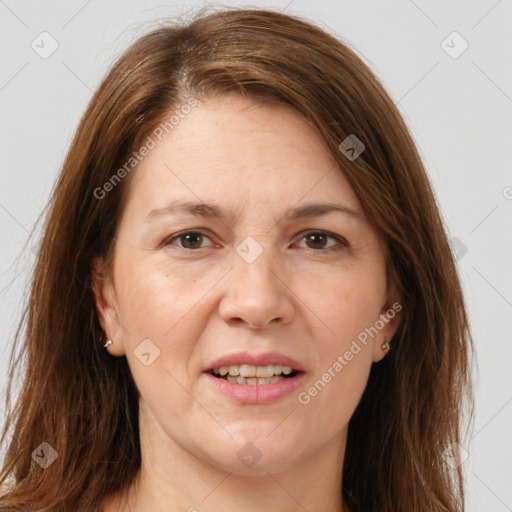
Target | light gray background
(459,111)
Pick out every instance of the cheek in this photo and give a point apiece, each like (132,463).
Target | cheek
(161,323)
(160,317)
(332,394)
(348,307)
(153,298)
(347,304)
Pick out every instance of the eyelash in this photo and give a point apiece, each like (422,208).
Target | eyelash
(341,241)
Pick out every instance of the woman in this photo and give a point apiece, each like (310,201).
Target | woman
(245,298)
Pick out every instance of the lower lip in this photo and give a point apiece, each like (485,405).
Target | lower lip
(259,393)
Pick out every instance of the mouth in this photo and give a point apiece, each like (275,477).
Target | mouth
(252,378)
(249,375)
(253,385)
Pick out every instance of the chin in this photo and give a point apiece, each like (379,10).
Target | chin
(255,455)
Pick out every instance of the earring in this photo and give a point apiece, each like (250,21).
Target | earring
(108,342)
(386,344)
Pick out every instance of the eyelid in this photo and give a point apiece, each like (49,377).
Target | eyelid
(202,231)
(341,240)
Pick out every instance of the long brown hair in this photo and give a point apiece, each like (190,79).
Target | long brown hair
(84,403)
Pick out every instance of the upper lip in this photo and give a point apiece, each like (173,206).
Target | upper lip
(264,359)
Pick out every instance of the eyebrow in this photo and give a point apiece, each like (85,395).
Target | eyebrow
(199,209)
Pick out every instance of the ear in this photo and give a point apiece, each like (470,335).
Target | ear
(390,316)
(106,306)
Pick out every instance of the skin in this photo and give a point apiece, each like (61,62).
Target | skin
(257,161)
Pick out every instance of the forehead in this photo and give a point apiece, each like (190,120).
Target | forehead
(234,151)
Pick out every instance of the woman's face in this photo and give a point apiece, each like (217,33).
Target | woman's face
(258,279)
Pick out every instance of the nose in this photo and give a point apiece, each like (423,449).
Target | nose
(255,295)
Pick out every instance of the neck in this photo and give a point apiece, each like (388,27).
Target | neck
(171,474)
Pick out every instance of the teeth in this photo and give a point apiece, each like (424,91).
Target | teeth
(254,381)
(248,371)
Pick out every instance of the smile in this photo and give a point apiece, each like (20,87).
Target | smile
(255,390)
(250,375)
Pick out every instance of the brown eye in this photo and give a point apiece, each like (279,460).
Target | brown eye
(317,241)
(188,240)
(191,240)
